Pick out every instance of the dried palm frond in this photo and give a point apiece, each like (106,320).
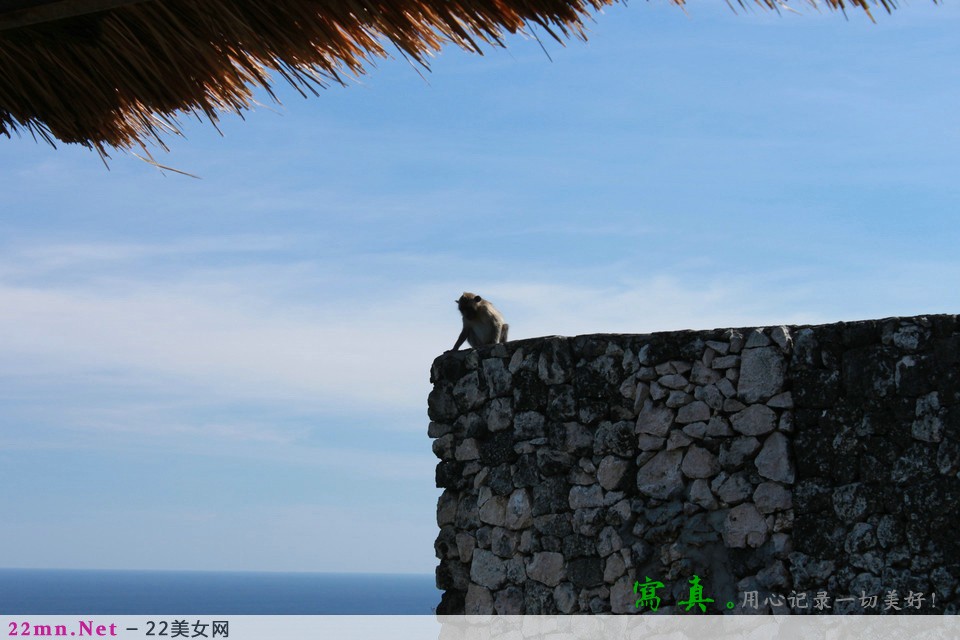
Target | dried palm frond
(119,78)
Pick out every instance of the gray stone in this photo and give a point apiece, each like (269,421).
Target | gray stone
(479,601)
(565,595)
(674,381)
(888,532)
(611,472)
(649,443)
(808,571)
(467,450)
(678,440)
(498,414)
(509,601)
(654,420)
(720,347)
(665,369)
(770,497)
(553,364)
(774,577)
(786,422)
(699,463)
(726,362)
(781,335)
(546,567)
(732,405)
(942,581)
(499,380)
(735,489)
(781,401)
(487,570)
(701,495)
(908,337)
(734,453)
(640,396)
(443,447)
(438,429)
(782,520)
(529,542)
(773,461)
(661,477)
(678,398)
(744,527)
(608,542)
(588,521)
(756,338)
(860,539)
(466,543)
(586,497)
(711,395)
(694,412)
(755,420)
(718,427)
(467,392)
(948,457)
(494,511)
(577,436)
(528,425)
(622,598)
(519,511)
(614,568)
(680,366)
(727,389)
(870,561)
(504,542)
(446,508)
(614,437)
(708,356)
(928,426)
(761,374)
(850,502)
(696,430)
(658,393)
(782,544)
(735,338)
(703,374)
(440,404)
(647,374)
(517,361)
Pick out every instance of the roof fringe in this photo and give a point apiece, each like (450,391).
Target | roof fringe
(119,79)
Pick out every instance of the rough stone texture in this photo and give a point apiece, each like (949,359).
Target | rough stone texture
(612,472)
(778,460)
(661,477)
(761,373)
(755,420)
(699,463)
(487,570)
(546,567)
(744,526)
(774,461)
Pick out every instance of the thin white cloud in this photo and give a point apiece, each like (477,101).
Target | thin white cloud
(289,338)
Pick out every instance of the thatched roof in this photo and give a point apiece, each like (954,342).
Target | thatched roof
(116,73)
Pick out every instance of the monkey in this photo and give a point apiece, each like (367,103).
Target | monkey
(482,323)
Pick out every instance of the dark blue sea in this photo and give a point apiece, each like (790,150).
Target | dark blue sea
(64,592)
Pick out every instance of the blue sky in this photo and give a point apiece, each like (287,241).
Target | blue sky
(231,372)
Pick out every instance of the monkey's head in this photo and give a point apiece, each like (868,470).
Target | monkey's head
(468,303)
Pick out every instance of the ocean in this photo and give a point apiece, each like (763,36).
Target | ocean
(63,592)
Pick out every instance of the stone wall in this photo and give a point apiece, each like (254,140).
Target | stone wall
(782,469)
